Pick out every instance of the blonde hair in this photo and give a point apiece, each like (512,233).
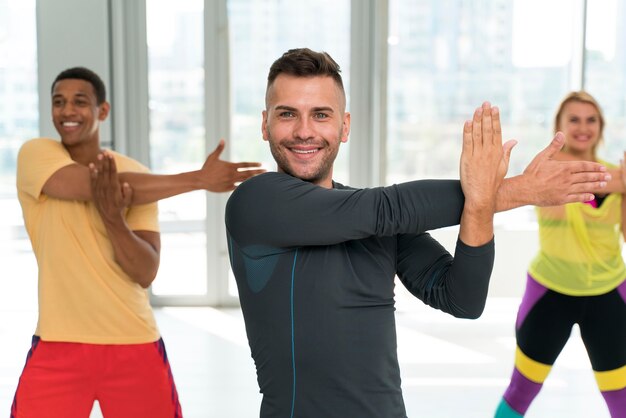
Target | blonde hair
(581,97)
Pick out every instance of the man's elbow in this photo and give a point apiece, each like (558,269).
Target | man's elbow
(474,314)
(470,312)
(145,280)
(145,276)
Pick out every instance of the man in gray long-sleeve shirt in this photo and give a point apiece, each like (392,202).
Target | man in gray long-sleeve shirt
(315,261)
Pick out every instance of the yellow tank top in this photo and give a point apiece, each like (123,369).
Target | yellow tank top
(580,248)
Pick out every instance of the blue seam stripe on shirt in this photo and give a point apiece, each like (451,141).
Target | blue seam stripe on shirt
(293,342)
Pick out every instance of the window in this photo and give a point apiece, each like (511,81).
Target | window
(19,121)
(177,138)
(447,56)
(606,73)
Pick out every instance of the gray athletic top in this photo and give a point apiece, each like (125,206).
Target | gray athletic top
(315,270)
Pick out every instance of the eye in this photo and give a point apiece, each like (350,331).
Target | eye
(286,114)
(57,103)
(81,103)
(320,115)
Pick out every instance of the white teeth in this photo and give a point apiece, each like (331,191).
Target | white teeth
(304,152)
(70,124)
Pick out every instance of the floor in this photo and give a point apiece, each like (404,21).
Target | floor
(450,367)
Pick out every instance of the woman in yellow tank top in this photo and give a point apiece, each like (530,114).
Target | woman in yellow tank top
(578,277)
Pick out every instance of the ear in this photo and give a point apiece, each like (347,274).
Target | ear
(345,130)
(264,128)
(103,111)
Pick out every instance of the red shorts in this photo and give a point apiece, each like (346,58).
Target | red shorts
(62,380)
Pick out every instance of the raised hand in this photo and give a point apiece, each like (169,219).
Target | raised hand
(551,182)
(223,176)
(484,163)
(109,197)
(484,160)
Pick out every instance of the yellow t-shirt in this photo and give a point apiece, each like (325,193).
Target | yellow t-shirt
(84,295)
(580,248)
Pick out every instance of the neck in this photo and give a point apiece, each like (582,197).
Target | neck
(84,153)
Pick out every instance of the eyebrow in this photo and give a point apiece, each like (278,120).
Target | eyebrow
(315,109)
(79,94)
(323,109)
(584,117)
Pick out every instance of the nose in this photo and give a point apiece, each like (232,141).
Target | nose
(303,129)
(68,109)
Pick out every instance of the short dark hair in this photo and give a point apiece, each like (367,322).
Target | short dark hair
(304,62)
(82,73)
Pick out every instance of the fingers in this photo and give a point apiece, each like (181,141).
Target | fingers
(105,167)
(467,135)
(218,150)
(112,166)
(507,147)
(246,174)
(477,129)
(587,167)
(579,197)
(105,185)
(247,165)
(127,194)
(497,127)
(485,126)
(554,147)
(487,122)
(586,179)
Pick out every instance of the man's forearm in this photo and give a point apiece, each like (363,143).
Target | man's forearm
(73,183)
(476,227)
(513,193)
(148,188)
(136,256)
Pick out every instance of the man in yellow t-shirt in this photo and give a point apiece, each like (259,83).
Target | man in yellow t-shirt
(95,234)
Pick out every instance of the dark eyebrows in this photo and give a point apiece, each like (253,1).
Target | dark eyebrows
(285,107)
(316,109)
(323,109)
(79,94)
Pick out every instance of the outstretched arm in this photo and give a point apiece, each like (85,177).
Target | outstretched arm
(458,285)
(73,181)
(136,252)
(547,181)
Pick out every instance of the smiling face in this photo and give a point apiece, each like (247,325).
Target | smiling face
(305,122)
(76,114)
(581,124)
